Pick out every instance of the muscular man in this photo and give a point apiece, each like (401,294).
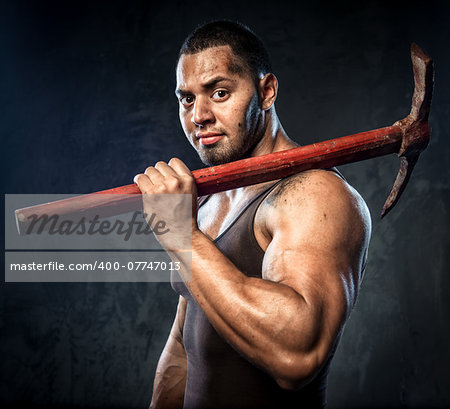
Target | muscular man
(276,267)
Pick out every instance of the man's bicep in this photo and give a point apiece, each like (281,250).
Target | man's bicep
(319,227)
(320,231)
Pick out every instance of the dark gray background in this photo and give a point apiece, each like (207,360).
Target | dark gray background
(87,102)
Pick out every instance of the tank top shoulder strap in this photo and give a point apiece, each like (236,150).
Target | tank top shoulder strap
(335,170)
(201,200)
(250,207)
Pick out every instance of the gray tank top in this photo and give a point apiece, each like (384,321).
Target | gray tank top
(218,376)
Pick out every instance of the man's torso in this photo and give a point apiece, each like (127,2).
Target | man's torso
(218,376)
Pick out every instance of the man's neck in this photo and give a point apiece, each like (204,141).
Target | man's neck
(275,138)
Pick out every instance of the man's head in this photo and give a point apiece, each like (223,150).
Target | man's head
(224,87)
(250,53)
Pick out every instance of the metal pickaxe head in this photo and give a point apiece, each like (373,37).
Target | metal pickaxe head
(415,128)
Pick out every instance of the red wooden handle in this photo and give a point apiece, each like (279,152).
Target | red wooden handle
(232,175)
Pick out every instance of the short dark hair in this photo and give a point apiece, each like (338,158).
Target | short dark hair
(244,43)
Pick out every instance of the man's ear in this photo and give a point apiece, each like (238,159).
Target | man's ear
(268,88)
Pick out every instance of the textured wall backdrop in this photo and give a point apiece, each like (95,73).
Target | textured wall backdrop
(87,102)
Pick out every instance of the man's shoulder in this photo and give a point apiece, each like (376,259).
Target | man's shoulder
(315,193)
(312,184)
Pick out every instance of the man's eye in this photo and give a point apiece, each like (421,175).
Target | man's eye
(187,100)
(220,94)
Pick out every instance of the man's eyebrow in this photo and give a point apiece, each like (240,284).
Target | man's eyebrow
(207,85)
(181,93)
(214,81)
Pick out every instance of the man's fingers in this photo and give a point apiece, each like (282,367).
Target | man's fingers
(174,177)
(155,175)
(172,181)
(179,166)
(144,183)
(165,169)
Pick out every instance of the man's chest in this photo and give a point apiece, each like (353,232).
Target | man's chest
(220,211)
(217,213)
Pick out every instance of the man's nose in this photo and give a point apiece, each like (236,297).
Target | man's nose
(202,113)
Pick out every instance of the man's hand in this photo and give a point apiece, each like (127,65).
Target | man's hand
(173,178)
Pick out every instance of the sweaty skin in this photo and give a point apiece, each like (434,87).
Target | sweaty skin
(313,227)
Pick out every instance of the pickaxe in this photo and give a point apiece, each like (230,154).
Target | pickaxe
(407,137)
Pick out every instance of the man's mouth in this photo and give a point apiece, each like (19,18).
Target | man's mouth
(208,138)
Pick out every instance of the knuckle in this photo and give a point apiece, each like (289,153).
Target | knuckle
(188,180)
(159,189)
(172,182)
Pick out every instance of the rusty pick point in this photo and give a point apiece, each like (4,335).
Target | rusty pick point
(415,129)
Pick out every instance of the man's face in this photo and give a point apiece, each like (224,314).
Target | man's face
(218,105)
